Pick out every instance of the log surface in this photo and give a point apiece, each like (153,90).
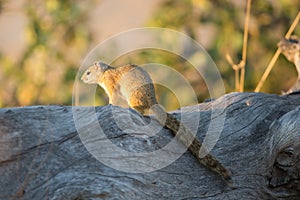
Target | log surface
(42,156)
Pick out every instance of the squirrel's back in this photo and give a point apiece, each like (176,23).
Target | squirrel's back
(134,85)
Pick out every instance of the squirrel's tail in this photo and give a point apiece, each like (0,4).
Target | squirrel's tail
(189,140)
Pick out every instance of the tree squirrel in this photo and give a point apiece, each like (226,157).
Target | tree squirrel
(134,84)
(290,48)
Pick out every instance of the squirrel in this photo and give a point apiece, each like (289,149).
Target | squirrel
(290,48)
(134,85)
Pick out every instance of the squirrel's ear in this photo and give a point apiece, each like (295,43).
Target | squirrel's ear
(103,66)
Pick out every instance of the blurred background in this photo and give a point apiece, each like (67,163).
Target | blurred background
(43,43)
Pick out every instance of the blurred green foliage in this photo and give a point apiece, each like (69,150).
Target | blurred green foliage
(58,37)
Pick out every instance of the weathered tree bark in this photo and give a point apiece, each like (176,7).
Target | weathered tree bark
(43,157)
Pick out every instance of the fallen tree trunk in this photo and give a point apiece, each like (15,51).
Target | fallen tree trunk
(43,157)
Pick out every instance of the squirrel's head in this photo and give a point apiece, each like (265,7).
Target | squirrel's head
(94,73)
(290,47)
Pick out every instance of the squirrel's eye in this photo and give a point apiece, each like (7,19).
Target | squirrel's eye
(88,73)
(295,46)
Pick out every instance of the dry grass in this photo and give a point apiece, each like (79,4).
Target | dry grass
(240,67)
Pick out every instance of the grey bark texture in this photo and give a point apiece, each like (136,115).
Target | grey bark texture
(42,156)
